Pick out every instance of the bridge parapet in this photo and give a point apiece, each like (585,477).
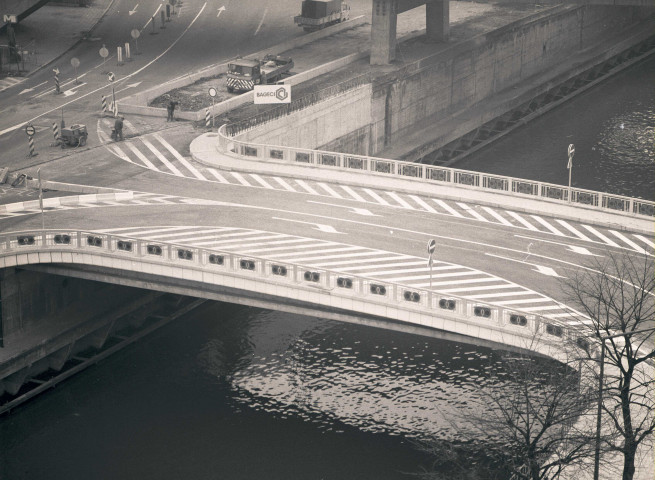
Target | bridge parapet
(326,288)
(517,188)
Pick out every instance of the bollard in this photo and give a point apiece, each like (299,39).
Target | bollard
(104,104)
(168,12)
(31,142)
(119,55)
(206,117)
(55,131)
(163,20)
(57,88)
(127,51)
(153,26)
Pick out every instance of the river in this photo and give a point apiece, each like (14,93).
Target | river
(236,393)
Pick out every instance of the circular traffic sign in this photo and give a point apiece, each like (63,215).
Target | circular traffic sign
(432,244)
(111,76)
(212,92)
(571,150)
(75,62)
(30,130)
(135,33)
(103,52)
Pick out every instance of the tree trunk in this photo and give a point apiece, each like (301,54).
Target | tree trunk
(629,462)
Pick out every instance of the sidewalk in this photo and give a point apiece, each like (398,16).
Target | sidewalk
(46,42)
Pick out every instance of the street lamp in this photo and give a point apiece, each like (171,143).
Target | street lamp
(600,390)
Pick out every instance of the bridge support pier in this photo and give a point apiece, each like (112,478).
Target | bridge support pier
(437,20)
(385,18)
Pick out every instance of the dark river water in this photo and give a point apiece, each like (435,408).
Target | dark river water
(236,393)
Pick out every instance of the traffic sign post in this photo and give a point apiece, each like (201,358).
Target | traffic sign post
(57,88)
(111,78)
(432,245)
(135,33)
(104,53)
(38,172)
(212,93)
(571,152)
(30,131)
(75,63)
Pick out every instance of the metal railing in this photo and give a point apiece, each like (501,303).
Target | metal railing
(378,292)
(438,175)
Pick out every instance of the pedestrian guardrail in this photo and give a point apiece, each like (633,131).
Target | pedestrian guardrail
(69,243)
(437,175)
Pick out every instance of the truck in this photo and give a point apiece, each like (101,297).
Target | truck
(318,14)
(243,73)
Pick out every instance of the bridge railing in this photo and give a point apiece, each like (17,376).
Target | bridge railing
(407,298)
(437,175)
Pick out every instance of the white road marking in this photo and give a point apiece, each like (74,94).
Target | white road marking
(497,216)
(424,269)
(547,225)
(523,221)
(141,157)
(284,184)
(217,175)
(161,158)
(240,179)
(368,261)
(422,203)
(376,197)
(353,193)
(525,300)
(504,294)
(261,22)
(385,265)
(460,282)
(306,187)
(538,309)
(261,181)
(485,287)
(317,226)
(434,275)
(601,236)
(620,236)
(358,211)
(471,212)
(179,157)
(573,230)
(329,190)
(645,240)
(546,271)
(343,254)
(397,198)
(447,207)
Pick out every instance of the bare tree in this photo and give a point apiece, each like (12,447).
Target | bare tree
(528,426)
(616,293)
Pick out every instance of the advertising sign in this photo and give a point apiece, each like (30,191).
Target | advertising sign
(272,94)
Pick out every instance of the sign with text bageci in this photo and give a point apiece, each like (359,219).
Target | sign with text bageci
(272,94)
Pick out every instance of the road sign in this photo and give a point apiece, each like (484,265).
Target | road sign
(571,150)
(75,62)
(9,18)
(212,92)
(30,130)
(432,244)
(135,33)
(103,52)
(111,76)
(272,94)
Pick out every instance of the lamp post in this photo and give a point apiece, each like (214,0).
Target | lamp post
(600,390)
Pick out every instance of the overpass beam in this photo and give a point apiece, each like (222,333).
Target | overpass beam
(437,20)
(383,32)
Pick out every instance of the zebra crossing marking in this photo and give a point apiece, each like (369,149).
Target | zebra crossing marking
(286,247)
(447,207)
(386,265)
(620,236)
(504,294)
(525,300)
(497,216)
(161,158)
(179,157)
(484,287)
(465,273)
(523,221)
(305,186)
(142,157)
(398,199)
(422,203)
(471,212)
(240,179)
(217,175)
(547,225)
(410,270)
(353,193)
(284,184)
(328,250)
(573,230)
(261,181)
(376,197)
(329,190)
(601,236)
(645,240)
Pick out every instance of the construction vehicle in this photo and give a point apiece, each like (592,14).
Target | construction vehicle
(243,73)
(75,136)
(318,14)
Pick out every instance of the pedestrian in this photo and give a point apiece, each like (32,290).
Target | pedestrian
(118,126)
(171,110)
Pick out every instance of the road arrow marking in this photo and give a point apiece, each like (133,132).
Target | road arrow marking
(72,91)
(133,11)
(318,226)
(545,270)
(32,88)
(582,251)
(220,10)
(358,211)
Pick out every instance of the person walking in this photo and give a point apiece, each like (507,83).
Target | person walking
(171,111)
(118,126)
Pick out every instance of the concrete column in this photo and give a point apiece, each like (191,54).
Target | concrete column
(383,32)
(437,20)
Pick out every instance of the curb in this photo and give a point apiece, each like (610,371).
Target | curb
(61,201)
